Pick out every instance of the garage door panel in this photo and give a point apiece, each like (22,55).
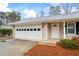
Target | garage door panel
(29,35)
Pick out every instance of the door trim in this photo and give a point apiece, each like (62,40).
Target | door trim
(57,31)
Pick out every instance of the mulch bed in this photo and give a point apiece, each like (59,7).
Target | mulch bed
(5,38)
(45,50)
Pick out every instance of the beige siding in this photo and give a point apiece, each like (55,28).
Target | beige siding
(13,32)
(70,36)
(49,31)
(45,31)
(61,31)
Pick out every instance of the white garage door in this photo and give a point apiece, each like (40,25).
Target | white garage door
(31,32)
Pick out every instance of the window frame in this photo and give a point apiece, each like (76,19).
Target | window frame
(69,27)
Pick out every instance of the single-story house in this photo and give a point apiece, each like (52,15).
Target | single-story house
(49,27)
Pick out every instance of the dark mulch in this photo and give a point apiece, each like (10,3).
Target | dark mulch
(45,50)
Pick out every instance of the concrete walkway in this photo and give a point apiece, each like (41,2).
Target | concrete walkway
(15,47)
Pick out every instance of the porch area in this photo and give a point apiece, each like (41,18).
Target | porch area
(55,31)
(52,31)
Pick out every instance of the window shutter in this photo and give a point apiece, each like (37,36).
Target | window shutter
(65,28)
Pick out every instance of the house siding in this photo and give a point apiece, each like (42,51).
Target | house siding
(70,36)
(49,31)
(61,31)
(44,31)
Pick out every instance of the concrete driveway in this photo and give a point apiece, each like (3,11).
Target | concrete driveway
(15,47)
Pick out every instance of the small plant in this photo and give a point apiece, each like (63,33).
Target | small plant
(66,43)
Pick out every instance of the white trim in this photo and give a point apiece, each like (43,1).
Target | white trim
(64,30)
(46,31)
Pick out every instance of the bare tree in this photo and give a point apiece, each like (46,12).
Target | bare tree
(67,7)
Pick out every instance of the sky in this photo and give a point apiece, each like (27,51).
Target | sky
(28,10)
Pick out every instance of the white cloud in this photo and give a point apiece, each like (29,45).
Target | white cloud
(28,13)
(74,9)
(4,7)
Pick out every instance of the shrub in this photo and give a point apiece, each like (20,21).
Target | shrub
(4,32)
(9,31)
(66,43)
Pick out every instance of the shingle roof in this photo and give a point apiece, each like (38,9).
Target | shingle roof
(57,18)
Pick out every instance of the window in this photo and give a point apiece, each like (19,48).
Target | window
(38,29)
(34,29)
(31,29)
(21,29)
(71,28)
(16,29)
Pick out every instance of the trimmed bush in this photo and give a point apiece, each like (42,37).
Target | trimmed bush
(66,43)
(4,32)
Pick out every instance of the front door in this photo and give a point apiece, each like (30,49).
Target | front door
(55,30)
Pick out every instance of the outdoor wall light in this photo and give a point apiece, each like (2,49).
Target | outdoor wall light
(54,25)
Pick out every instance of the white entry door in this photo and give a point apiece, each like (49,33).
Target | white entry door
(55,30)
